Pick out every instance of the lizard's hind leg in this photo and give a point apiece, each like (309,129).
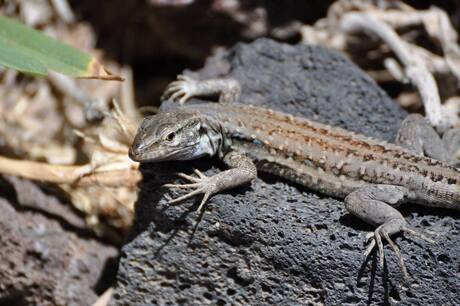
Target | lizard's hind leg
(228,90)
(375,204)
(451,139)
(418,136)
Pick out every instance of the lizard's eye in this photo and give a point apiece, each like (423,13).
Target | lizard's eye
(170,136)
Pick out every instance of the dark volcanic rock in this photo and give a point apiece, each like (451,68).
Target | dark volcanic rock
(43,261)
(274,242)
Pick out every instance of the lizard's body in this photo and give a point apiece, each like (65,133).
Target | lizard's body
(372,176)
(323,158)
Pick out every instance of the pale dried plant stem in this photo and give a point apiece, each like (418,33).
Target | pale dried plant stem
(69,87)
(437,24)
(127,124)
(64,10)
(415,69)
(104,299)
(83,175)
(127,101)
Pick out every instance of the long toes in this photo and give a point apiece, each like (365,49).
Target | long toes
(417,234)
(189,177)
(176,84)
(183,77)
(203,201)
(199,173)
(369,236)
(173,84)
(171,89)
(398,254)
(177,95)
(182,186)
(166,94)
(369,248)
(378,240)
(184,98)
(186,196)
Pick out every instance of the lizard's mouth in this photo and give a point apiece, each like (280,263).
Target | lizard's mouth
(147,154)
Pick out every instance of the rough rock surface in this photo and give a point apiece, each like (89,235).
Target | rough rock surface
(274,242)
(42,259)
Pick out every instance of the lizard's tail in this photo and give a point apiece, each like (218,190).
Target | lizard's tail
(442,195)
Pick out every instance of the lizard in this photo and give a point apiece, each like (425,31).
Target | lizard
(373,177)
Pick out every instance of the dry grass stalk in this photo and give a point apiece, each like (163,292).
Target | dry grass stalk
(435,76)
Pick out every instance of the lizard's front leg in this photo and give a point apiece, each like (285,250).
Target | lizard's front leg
(375,204)
(184,88)
(242,172)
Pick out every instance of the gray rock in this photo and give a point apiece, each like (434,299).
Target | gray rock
(274,242)
(46,257)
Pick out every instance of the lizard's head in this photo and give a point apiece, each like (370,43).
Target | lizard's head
(167,136)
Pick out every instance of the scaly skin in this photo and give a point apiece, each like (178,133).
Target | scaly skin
(372,176)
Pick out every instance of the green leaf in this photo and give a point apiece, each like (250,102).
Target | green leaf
(30,51)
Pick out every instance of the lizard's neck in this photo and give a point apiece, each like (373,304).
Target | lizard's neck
(213,141)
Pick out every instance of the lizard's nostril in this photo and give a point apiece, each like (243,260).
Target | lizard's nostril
(136,148)
(132,153)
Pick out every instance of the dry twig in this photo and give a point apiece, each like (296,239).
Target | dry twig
(104,299)
(76,175)
(435,76)
(414,68)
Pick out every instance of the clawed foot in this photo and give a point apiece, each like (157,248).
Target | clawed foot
(375,238)
(181,90)
(201,184)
